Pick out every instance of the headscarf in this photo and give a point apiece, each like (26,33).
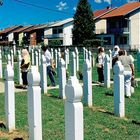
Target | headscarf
(25,55)
(115,52)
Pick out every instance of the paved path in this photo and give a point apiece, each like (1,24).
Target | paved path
(21,90)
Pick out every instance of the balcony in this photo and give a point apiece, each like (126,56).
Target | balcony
(118,30)
(54,36)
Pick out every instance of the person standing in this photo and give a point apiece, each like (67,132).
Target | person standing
(25,65)
(115,54)
(128,71)
(49,64)
(100,64)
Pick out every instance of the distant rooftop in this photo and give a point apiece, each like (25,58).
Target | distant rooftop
(60,23)
(22,29)
(102,12)
(33,27)
(10,29)
(46,25)
(123,10)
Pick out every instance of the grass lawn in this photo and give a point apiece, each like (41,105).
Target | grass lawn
(99,121)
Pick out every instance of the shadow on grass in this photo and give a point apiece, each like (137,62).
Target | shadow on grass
(109,94)
(106,112)
(53,96)
(2,125)
(19,86)
(18,138)
(135,122)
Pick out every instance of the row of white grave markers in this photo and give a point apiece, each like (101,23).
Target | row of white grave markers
(32,57)
(88,55)
(110,56)
(107,71)
(58,63)
(19,65)
(56,58)
(74,129)
(66,59)
(12,58)
(9,97)
(0,64)
(138,60)
(43,75)
(73,63)
(73,105)
(87,83)
(62,79)
(9,59)
(34,104)
(77,59)
(119,107)
(35,57)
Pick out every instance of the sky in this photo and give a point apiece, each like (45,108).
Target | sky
(26,12)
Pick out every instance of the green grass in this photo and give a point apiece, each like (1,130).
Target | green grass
(99,121)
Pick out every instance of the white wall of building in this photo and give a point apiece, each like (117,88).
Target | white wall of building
(66,36)
(10,37)
(47,31)
(67,33)
(100,26)
(134,23)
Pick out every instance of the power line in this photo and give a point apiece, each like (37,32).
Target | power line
(41,7)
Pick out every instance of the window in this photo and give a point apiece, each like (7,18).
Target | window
(60,31)
(54,31)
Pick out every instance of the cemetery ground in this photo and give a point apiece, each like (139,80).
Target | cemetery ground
(99,121)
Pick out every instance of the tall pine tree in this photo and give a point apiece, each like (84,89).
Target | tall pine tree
(84,25)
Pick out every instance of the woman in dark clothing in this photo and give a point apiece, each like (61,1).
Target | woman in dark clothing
(25,64)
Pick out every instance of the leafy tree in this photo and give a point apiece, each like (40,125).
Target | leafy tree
(52,43)
(24,41)
(84,25)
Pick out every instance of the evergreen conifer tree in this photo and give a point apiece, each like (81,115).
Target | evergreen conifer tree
(84,25)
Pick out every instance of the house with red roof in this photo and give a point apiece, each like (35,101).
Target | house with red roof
(35,35)
(100,23)
(6,35)
(19,34)
(123,26)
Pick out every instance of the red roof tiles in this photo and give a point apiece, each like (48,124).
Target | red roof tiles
(123,10)
(6,30)
(33,28)
(98,13)
(22,29)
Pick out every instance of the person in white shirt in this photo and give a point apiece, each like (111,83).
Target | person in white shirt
(100,64)
(49,65)
(128,71)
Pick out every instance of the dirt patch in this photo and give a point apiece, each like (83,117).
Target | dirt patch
(15,135)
